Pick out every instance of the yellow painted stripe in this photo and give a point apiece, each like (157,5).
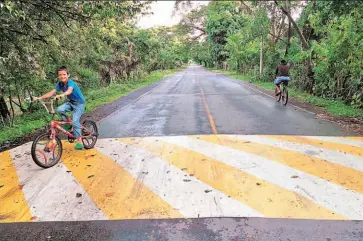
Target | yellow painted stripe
(267,198)
(344,176)
(13,205)
(210,117)
(113,189)
(356,138)
(354,150)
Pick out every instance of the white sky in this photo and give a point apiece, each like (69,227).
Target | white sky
(163,11)
(162,16)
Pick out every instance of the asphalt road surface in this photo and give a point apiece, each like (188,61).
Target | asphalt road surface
(198,101)
(162,171)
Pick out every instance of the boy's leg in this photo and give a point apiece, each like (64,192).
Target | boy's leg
(78,110)
(277,90)
(277,87)
(61,110)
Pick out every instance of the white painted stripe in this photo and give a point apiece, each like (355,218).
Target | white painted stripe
(338,140)
(166,180)
(341,158)
(334,197)
(51,193)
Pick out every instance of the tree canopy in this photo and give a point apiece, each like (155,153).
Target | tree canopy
(97,40)
(100,43)
(321,40)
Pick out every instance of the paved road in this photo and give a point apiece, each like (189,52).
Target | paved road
(162,168)
(197,101)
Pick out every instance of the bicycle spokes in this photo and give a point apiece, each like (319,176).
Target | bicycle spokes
(89,134)
(46,151)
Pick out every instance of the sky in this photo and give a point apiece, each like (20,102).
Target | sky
(162,14)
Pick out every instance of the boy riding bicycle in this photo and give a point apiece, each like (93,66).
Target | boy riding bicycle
(76,103)
(282,74)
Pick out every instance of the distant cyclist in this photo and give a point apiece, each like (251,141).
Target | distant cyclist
(282,74)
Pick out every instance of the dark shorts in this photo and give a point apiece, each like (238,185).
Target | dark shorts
(280,79)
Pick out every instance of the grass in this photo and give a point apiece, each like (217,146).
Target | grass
(28,123)
(334,107)
(108,94)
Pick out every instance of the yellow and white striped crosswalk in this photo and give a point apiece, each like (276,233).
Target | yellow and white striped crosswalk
(308,177)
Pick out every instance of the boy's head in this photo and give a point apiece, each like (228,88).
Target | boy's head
(63,74)
(283,61)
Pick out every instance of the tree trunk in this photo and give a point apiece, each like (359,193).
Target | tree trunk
(288,35)
(273,20)
(310,76)
(12,109)
(261,58)
(18,95)
(238,67)
(304,43)
(4,110)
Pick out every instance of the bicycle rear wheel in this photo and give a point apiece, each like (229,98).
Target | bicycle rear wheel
(44,152)
(285,96)
(278,97)
(89,134)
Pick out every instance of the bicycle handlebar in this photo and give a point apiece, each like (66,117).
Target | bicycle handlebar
(44,103)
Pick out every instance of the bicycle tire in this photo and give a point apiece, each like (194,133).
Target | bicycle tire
(278,97)
(285,95)
(89,146)
(33,151)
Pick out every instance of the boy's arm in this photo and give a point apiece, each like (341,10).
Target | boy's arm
(68,92)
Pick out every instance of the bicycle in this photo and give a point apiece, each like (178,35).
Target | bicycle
(49,142)
(284,94)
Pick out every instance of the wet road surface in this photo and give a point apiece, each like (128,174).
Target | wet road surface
(197,101)
(277,175)
(205,229)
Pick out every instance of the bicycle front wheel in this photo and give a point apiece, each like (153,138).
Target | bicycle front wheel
(45,152)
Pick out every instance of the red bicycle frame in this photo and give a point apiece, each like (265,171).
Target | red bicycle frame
(56,125)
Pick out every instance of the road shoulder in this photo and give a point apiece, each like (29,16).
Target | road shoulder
(187,229)
(348,124)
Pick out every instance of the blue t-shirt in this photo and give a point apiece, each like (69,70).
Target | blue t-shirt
(76,95)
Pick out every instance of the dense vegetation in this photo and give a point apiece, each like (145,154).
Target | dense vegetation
(101,45)
(321,40)
(97,40)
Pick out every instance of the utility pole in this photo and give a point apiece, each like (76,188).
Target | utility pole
(261,54)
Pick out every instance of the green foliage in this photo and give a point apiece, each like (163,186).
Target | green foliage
(95,97)
(339,58)
(106,54)
(201,54)
(335,107)
(331,66)
(87,78)
(96,40)
(222,20)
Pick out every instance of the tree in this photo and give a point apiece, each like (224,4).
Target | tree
(193,23)
(222,21)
